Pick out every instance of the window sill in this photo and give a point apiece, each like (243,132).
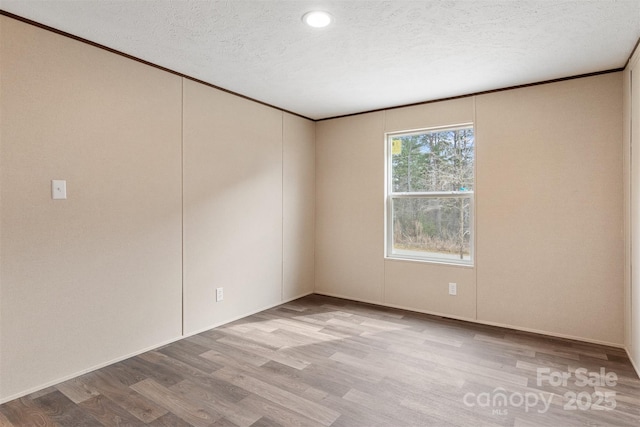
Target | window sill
(446,263)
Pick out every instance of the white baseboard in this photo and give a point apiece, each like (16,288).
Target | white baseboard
(636,367)
(135,353)
(218,324)
(400,307)
(472,320)
(551,334)
(466,319)
(86,371)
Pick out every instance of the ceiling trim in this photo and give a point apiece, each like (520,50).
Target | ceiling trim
(168,70)
(631,54)
(485,92)
(135,58)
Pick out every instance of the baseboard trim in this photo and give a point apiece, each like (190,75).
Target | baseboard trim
(378,303)
(87,370)
(636,367)
(399,307)
(477,321)
(551,334)
(329,294)
(218,324)
(136,353)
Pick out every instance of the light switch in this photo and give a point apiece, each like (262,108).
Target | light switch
(58,189)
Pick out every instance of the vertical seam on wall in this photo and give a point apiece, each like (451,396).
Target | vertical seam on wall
(384,210)
(182,197)
(629,309)
(475,209)
(282,207)
(315,205)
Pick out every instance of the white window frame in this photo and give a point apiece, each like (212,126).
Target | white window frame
(390,196)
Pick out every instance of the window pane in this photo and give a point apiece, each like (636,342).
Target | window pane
(433,161)
(436,228)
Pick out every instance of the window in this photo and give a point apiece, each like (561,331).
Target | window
(430,182)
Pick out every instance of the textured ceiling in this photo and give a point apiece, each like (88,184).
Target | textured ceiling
(376,54)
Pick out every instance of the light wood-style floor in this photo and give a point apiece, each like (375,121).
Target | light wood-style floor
(322,361)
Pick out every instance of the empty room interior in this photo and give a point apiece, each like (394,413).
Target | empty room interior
(395,213)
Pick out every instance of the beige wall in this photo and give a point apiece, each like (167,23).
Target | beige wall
(549,249)
(299,203)
(549,208)
(632,207)
(232,206)
(350,207)
(99,276)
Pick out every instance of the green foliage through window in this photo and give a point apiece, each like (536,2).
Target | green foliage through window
(431,194)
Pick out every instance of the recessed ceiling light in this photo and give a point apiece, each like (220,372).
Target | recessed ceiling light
(317,19)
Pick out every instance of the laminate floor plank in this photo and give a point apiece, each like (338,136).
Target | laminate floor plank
(169,420)
(278,413)
(76,390)
(237,353)
(438,404)
(202,341)
(265,352)
(324,383)
(465,368)
(193,360)
(136,404)
(305,337)
(190,346)
(354,414)
(327,362)
(64,411)
(25,412)
(316,412)
(245,326)
(218,389)
(477,362)
(223,422)
(194,414)
(211,398)
(408,417)
(176,367)
(266,422)
(328,347)
(286,378)
(108,413)
(4,422)
(141,366)
(409,372)
(40,393)
(281,381)
(122,373)
(440,415)
(278,321)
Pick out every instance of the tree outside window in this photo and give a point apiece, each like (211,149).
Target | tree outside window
(430,194)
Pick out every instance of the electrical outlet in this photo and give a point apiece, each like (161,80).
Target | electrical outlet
(453,289)
(58,189)
(219,294)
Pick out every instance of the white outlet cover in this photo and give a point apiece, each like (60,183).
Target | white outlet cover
(453,289)
(58,189)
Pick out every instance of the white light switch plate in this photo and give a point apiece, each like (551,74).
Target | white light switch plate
(58,189)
